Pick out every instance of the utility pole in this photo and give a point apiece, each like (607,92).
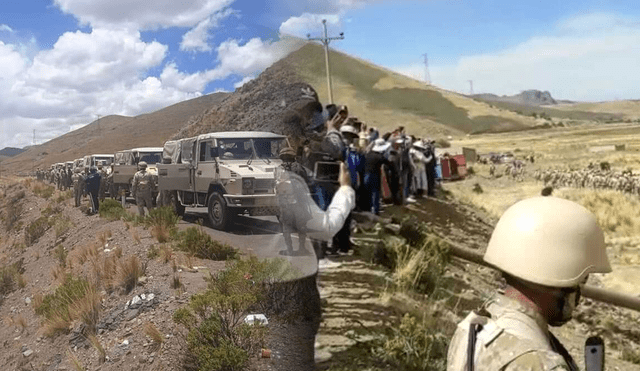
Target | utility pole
(325,41)
(470,87)
(427,77)
(34,137)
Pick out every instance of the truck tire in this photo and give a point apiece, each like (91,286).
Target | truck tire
(218,212)
(175,203)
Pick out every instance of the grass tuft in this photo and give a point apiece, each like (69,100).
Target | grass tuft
(194,241)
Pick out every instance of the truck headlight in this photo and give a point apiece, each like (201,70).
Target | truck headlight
(247,183)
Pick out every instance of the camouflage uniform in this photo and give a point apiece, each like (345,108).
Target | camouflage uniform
(142,188)
(78,186)
(514,338)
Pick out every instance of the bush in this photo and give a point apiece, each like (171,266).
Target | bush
(35,230)
(128,272)
(419,269)
(112,210)
(9,277)
(13,211)
(196,242)
(75,299)
(163,221)
(477,188)
(417,344)
(218,338)
(43,190)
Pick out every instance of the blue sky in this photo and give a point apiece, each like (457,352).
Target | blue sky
(65,62)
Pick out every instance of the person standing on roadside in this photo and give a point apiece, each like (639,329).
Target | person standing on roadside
(93,188)
(78,185)
(142,188)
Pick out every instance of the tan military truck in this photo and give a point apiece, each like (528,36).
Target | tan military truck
(92,160)
(229,173)
(125,165)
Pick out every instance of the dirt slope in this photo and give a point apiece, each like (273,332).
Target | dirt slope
(113,133)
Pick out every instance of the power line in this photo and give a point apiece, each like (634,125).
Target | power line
(325,41)
(427,77)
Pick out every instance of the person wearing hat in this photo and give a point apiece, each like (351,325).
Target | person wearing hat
(545,247)
(78,185)
(430,167)
(142,188)
(373,161)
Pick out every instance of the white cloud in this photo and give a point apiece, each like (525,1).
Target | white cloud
(588,58)
(243,81)
(197,39)
(84,74)
(142,14)
(309,24)
(252,57)
(5,28)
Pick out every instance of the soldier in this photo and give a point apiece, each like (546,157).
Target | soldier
(78,185)
(103,181)
(544,260)
(142,188)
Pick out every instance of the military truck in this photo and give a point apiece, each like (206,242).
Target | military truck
(92,160)
(125,165)
(229,173)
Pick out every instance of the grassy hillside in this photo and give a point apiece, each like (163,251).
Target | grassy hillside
(386,99)
(579,112)
(628,109)
(113,133)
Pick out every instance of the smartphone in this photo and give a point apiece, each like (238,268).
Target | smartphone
(327,171)
(594,354)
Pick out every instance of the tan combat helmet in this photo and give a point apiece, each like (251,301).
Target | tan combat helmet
(142,165)
(549,241)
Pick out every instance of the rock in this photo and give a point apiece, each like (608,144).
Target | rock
(27,300)
(131,314)
(150,297)
(142,280)
(125,343)
(135,302)
(27,352)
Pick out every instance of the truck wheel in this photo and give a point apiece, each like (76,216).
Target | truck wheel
(218,213)
(175,203)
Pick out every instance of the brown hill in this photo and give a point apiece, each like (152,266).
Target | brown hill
(277,101)
(112,133)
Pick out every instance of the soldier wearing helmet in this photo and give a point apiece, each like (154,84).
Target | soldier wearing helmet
(142,188)
(545,247)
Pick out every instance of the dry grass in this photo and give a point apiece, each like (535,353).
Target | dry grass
(75,362)
(135,235)
(104,236)
(152,332)
(59,274)
(18,321)
(128,272)
(85,252)
(166,254)
(95,342)
(117,252)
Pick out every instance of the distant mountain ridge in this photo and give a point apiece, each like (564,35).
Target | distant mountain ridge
(113,133)
(529,97)
(11,151)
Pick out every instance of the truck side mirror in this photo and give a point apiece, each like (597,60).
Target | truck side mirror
(214,152)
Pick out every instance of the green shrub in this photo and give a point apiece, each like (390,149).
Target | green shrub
(75,299)
(196,242)
(61,255)
(112,210)
(35,230)
(10,276)
(13,213)
(477,188)
(63,196)
(417,344)
(162,221)
(218,338)
(43,190)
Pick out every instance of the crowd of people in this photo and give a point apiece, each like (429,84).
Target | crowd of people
(594,177)
(96,182)
(394,167)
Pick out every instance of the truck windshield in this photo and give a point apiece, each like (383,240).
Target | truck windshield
(243,149)
(151,157)
(107,160)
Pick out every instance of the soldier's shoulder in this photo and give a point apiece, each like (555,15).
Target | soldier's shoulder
(539,360)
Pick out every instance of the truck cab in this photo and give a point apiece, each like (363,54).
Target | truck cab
(126,165)
(92,160)
(229,173)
